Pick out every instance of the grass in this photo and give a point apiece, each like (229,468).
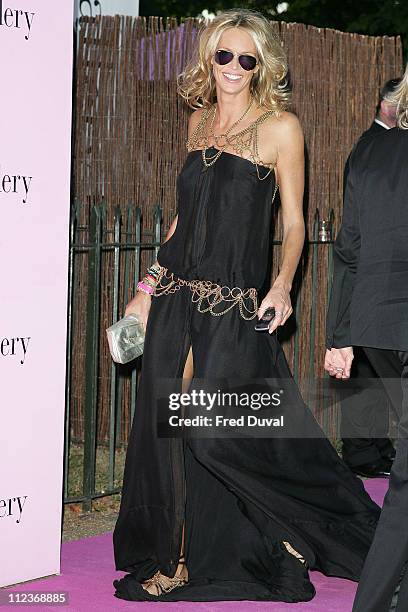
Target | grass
(77,523)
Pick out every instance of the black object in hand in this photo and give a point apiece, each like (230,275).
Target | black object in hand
(263,323)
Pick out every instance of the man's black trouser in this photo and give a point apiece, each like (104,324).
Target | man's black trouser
(365,417)
(389,550)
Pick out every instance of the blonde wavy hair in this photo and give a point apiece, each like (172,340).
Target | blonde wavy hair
(399,97)
(269,85)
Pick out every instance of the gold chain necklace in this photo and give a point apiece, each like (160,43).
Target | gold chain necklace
(216,137)
(240,141)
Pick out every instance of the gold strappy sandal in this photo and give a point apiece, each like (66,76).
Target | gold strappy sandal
(295,553)
(164,584)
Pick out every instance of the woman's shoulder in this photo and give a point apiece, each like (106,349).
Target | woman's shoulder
(284,124)
(282,132)
(195,119)
(278,133)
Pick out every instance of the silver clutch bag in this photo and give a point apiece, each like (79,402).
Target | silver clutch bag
(126,339)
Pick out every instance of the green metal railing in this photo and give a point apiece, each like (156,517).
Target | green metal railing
(99,242)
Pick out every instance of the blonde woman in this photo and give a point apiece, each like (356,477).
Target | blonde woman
(231,518)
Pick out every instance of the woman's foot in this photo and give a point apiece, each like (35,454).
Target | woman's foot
(159,583)
(295,553)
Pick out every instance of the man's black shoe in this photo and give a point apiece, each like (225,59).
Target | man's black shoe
(379,469)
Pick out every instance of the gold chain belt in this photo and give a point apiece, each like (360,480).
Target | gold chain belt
(215,294)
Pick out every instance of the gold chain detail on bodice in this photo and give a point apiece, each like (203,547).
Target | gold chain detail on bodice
(244,140)
(213,293)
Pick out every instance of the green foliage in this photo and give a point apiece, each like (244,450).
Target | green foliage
(373,17)
(192,8)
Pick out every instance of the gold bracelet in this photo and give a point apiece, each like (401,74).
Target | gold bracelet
(149,281)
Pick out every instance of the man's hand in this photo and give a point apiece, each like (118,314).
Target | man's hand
(338,362)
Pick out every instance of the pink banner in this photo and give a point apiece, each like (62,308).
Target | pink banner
(35,154)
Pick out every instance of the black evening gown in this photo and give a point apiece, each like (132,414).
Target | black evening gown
(240,499)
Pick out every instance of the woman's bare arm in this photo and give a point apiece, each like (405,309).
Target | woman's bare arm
(192,123)
(140,304)
(289,148)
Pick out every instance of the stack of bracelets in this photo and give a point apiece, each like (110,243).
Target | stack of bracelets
(149,281)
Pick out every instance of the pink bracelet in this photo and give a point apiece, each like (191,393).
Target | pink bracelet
(141,286)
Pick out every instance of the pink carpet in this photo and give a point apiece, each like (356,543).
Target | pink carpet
(88,572)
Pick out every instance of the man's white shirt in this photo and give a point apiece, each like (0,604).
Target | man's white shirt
(382,124)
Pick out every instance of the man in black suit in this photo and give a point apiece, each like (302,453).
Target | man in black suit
(369,308)
(367,450)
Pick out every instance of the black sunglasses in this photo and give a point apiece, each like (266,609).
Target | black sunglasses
(223,57)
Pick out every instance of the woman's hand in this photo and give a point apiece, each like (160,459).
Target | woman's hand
(140,306)
(277,297)
(338,362)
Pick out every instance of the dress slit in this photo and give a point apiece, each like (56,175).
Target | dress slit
(177,455)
